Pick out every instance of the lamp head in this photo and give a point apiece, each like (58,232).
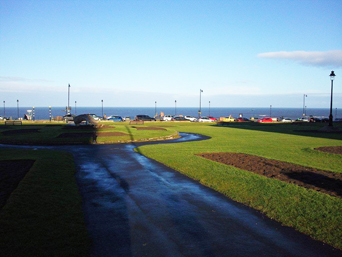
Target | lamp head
(332,75)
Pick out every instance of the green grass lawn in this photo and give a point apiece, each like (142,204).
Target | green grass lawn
(43,216)
(313,213)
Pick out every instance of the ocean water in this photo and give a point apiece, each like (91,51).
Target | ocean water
(42,113)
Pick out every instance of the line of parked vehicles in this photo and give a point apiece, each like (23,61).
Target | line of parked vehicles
(230,118)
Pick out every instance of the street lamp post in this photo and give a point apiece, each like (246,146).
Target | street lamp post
(175,107)
(102,108)
(200,111)
(209,108)
(155,107)
(332,76)
(33,114)
(68,108)
(18,109)
(50,113)
(4,110)
(304,104)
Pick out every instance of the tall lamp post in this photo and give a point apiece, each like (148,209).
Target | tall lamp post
(33,114)
(332,76)
(209,108)
(175,107)
(155,107)
(4,109)
(18,109)
(304,104)
(102,108)
(200,111)
(68,108)
(50,113)
(75,108)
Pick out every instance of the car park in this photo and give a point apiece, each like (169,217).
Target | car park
(265,119)
(115,118)
(144,118)
(190,118)
(95,117)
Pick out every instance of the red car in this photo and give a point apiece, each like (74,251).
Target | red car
(241,119)
(212,118)
(266,119)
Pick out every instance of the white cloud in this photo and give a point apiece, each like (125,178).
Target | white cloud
(320,59)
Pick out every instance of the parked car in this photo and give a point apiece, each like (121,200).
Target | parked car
(266,119)
(287,120)
(95,117)
(115,118)
(144,118)
(304,119)
(179,118)
(69,117)
(227,119)
(190,118)
(205,119)
(167,117)
(212,118)
(242,119)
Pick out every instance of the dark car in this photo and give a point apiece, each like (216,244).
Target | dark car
(241,119)
(144,118)
(69,117)
(179,118)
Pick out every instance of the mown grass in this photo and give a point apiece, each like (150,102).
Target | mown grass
(35,133)
(313,213)
(43,216)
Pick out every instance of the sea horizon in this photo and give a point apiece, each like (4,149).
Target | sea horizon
(43,113)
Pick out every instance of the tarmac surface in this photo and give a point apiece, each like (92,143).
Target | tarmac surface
(135,206)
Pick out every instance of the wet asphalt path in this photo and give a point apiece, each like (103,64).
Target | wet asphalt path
(135,206)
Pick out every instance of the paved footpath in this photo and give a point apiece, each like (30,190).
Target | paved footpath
(137,207)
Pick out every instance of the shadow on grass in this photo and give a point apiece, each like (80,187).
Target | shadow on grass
(299,129)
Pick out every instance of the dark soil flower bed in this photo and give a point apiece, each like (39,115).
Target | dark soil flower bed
(315,179)
(11,173)
(330,149)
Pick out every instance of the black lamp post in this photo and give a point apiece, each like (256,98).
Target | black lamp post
(200,111)
(332,76)
(18,109)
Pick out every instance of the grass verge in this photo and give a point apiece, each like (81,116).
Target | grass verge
(43,216)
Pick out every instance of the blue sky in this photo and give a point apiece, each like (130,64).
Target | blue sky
(133,53)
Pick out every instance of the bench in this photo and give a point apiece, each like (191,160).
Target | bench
(13,122)
(136,122)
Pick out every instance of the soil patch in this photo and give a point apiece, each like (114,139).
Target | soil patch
(330,149)
(19,132)
(11,173)
(111,134)
(150,128)
(319,180)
